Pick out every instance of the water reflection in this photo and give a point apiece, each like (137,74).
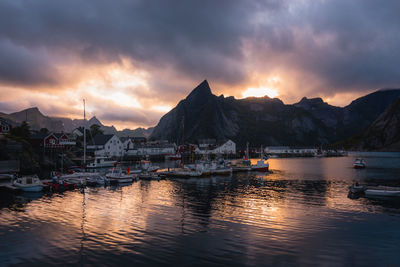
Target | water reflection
(297,214)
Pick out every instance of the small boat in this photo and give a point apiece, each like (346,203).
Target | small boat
(96,180)
(175,156)
(119,176)
(147,166)
(101,162)
(359,164)
(220,168)
(357,189)
(185,173)
(382,191)
(78,178)
(242,165)
(28,183)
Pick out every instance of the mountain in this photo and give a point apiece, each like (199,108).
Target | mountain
(35,119)
(138,132)
(384,132)
(71,124)
(266,121)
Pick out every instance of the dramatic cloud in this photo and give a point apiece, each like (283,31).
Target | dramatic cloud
(138,58)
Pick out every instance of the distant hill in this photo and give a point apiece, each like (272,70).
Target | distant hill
(35,119)
(266,121)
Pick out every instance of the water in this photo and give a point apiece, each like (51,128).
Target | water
(298,215)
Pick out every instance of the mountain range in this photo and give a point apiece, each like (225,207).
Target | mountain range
(37,120)
(268,121)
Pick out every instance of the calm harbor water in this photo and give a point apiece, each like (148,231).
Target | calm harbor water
(297,215)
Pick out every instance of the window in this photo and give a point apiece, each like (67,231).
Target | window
(108,147)
(52,141)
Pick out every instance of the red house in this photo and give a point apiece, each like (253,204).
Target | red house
(51,140)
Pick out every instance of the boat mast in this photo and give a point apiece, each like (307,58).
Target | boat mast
(183,140)
(247,150)
(84,133)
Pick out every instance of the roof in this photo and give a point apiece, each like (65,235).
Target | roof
(100,139)
(41,136)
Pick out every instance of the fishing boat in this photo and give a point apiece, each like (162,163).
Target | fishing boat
(382,191)
(117,175)
(28,183)
(262,165)
(101,162)
(78,178)
(359,164)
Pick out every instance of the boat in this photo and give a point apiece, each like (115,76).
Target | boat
(243,164)
(117,175)
(175,156)
(78,178)
(28,183)
(184,173)
(359,164)
(97,180)
(147,166)
(382,191)
(357,189)
(261,165)
(220,168)
(101,162)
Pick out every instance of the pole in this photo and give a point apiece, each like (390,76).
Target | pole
(84,133)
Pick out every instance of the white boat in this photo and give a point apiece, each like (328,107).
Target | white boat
(119,176)
(147,166)
(359,164)
(97,180)
(382,191)
(185,173)
(101,162)
(220,168)
(28,184)
(357,189)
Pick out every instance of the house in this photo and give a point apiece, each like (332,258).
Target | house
(228,147)
(65,139)
(5,126)
(207,143)
(151,148)
(51,140)
(127,142)
(106,145)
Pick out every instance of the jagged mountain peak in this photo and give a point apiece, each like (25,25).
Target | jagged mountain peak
(203,90)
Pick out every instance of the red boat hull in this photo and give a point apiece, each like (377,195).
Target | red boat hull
(359,167)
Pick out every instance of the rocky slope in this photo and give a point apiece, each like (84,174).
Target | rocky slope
(266,121)
(384,133)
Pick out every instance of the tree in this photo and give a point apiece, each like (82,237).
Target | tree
(95,129)
(21,131)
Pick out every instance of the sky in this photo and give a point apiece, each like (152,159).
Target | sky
(133,60)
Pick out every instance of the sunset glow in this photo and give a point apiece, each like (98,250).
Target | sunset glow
(260,92)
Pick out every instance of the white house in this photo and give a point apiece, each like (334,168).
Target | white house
(108,145)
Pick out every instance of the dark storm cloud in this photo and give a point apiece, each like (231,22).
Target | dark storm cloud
(198,38)
(343,44)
